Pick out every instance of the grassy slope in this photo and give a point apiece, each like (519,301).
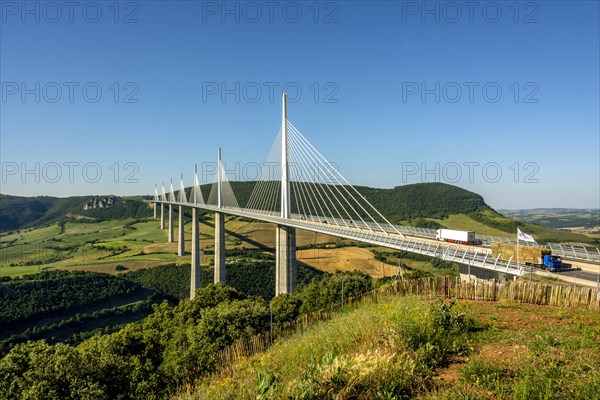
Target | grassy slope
(79,244)
(524,351)
(490,222)
(465,223)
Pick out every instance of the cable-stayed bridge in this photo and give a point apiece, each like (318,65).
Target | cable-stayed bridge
(298,189)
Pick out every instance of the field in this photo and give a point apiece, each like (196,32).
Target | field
(136,244)
(346,259)
(391,349)
(583,220)
(88,246)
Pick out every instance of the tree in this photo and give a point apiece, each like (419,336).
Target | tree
(37,370)
(285,308)
(319,294)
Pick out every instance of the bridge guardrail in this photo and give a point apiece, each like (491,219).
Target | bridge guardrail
(571,251)
(576,252)
(477,258)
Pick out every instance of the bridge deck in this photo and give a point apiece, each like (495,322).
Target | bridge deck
(478,257)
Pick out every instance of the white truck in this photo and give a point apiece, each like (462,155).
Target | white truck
(452,236)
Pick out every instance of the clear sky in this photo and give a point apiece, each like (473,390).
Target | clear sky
(392,92)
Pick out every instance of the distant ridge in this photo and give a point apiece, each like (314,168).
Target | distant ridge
(18,212)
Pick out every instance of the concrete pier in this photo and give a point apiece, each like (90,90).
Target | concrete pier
(162,216)
(195,281)
(181,237)
(285,260)
(219,247)
(170,223)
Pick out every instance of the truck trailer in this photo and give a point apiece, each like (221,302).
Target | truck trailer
(452,236)
(535,257)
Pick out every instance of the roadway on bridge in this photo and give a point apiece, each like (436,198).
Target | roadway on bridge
(583,265)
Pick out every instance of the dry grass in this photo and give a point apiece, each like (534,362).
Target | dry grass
(346,259)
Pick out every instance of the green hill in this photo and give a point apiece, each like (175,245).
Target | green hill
(68,306)
(17,212)
(420,200)
(423,200)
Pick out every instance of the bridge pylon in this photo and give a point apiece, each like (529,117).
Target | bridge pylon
(219,228)
(285,236)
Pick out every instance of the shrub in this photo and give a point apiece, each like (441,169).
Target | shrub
(285,308)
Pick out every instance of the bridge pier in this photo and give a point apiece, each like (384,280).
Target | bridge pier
(195,265)
(154,210)
(181,247)
(170,235)
(285,260)
(219,247)
(162,216)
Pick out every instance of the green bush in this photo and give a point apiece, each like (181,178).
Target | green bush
(285,308)
(332,288)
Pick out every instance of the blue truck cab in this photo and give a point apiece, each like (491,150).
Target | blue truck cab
(552,263)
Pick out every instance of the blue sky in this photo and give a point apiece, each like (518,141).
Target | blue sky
(392,92)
